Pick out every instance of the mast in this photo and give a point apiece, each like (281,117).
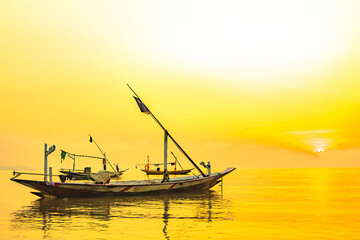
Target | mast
(176,161)
(166,175)
(47,152)
(73,158)
(145,110)
(107,160)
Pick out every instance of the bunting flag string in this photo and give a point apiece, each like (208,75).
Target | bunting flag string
(63,155)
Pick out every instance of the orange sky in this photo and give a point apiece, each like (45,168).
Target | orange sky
(247,84)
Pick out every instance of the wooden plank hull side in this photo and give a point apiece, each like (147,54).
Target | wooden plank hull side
(62,190)
(65,190)
(154,172)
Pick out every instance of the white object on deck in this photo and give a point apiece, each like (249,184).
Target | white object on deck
(101,176)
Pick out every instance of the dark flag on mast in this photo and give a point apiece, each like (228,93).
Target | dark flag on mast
(142,106)
(63,155)
(91,139)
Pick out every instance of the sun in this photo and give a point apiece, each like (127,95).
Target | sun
(319,150)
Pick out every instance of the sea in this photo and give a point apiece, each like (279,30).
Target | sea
(306,203)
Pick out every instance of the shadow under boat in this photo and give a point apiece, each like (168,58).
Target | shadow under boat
(204,206)
(106,208)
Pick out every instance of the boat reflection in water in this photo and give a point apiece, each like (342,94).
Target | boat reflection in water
(126,216)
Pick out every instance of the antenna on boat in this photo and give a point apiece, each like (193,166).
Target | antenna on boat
(92,140)
(145,110)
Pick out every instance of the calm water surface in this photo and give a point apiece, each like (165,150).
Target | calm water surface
(254,204)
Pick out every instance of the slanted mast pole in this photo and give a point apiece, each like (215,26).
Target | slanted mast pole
(144,109)
(176,161)
(107,160)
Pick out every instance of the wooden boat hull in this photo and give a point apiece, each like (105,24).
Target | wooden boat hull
(178,172)
(121,188)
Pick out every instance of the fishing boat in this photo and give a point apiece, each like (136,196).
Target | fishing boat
(102,186)
(123,188)
(158,171)
(85,174)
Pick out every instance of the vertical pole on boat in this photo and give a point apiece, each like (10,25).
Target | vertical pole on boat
(45,164)
(72,156)
(222,185)
(104,162)
(148,164)
(166,175)
(50,175)
(47,152)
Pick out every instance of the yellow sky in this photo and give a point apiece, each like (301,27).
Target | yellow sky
(243,83)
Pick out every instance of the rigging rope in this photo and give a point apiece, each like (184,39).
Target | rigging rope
(77,155)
